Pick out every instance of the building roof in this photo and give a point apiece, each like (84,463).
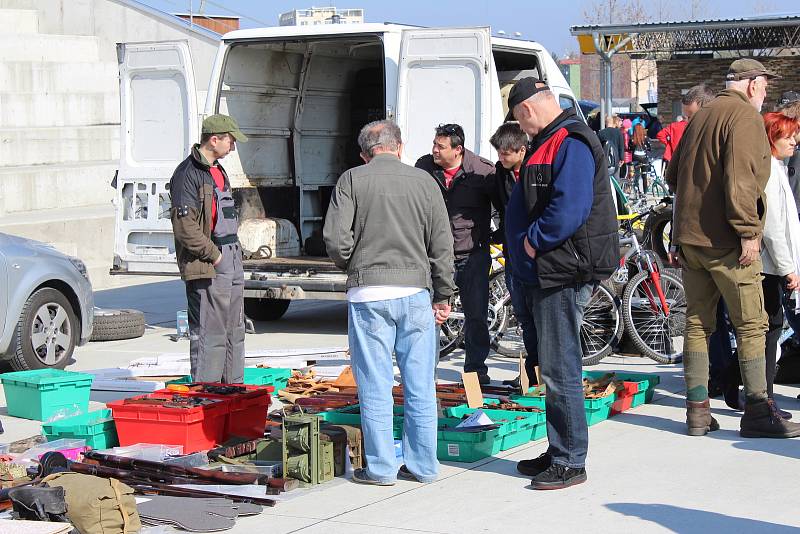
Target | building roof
(768,33)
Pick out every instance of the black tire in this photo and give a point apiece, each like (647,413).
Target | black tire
(655,228)
(114,325)
(602,325)
(451,332)
(651,332)
(34,347)
(265,309)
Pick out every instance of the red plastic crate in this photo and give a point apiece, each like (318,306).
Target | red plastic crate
(197,429)
(248,411)
(624,399)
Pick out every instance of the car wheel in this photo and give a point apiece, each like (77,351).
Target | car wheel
(46,333)
(265,309)
(113,325)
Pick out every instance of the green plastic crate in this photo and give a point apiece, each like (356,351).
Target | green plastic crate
(651,378)
(599,409)
(254,376)
(465,446)
(521,431)
(351,416)
(97,428)
(42,393)
(596,409)
(272,376)
(639,399)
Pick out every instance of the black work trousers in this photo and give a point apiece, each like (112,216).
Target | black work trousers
(472,279)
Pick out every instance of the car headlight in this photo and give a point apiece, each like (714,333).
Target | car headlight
(81,268)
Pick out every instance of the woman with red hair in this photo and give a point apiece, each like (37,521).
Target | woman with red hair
(781,240)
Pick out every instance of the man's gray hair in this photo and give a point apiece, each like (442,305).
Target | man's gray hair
(383,134)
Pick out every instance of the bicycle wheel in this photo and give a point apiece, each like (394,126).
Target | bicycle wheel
(602,325)
(656,334)
(451,332)
(499,304)
(657,229)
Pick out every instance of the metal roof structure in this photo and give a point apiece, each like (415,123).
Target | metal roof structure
(759,35)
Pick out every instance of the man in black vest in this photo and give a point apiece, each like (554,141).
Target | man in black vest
(561,234)
(467,182)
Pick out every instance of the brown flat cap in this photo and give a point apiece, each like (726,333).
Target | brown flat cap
(747,68)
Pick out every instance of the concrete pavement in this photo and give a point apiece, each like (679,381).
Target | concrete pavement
(645,474)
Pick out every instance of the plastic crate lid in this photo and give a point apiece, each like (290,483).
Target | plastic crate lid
(46,376)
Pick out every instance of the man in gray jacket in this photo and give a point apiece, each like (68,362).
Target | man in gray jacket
(387,226)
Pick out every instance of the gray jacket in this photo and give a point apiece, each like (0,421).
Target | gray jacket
(387,225)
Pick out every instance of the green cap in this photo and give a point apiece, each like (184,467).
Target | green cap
(218,124)
(746,69)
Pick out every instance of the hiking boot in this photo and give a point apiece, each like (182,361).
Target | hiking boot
(762,420)
(531,468)
(559,477)
(698,418)
(786,415)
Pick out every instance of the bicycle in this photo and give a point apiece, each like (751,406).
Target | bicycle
(653,300)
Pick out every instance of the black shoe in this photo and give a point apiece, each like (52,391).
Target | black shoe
(733,398)
(559,477)
(484,379)
(783,413)
(531,468)
(405,474)
(762,420)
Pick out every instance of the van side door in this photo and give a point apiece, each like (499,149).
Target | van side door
(159,123)
(444,78)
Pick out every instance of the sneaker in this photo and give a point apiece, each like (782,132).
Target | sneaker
(360,476)
(405,474)
(484,379)
(559,477)
(531,468)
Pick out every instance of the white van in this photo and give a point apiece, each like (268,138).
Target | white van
(301,94)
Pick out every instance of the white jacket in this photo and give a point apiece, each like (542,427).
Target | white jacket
(781,242)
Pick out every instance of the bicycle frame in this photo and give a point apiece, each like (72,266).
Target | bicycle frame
(645,262)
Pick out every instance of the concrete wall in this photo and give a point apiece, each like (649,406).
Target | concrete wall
(675,76)
(116,21)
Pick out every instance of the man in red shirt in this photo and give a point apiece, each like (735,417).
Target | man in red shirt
(205,225)
(467,182)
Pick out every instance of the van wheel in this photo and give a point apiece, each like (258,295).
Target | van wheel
(46,333)
(113,325)
(265,309)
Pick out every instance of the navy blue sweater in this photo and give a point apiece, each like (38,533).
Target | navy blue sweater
(568,210)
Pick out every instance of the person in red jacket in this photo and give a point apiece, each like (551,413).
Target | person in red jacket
(695,98)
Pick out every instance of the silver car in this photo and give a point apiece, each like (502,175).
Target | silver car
(46,304)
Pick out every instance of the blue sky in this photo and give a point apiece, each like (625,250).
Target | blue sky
(546,21)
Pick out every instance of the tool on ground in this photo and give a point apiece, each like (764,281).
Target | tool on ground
(300,452)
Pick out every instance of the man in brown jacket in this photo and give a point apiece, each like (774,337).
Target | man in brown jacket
(718,174)
(205,225)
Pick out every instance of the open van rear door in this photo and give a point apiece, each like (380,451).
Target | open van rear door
(158,126)
(444,77)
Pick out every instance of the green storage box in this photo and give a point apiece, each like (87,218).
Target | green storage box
(351,416)
(97,428)
(42,393)
(521,431)
(254,376)
(651,379)
(639,399)
(465,446)
(596,409)
(599,409)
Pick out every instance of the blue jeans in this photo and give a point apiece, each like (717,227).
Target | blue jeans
(472,279)
(526,324)
(405,327)
(558,311)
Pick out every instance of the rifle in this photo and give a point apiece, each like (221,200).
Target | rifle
(146,486)
(197,475)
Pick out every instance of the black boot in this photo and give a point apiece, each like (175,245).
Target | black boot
(733,398)
(762,420)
